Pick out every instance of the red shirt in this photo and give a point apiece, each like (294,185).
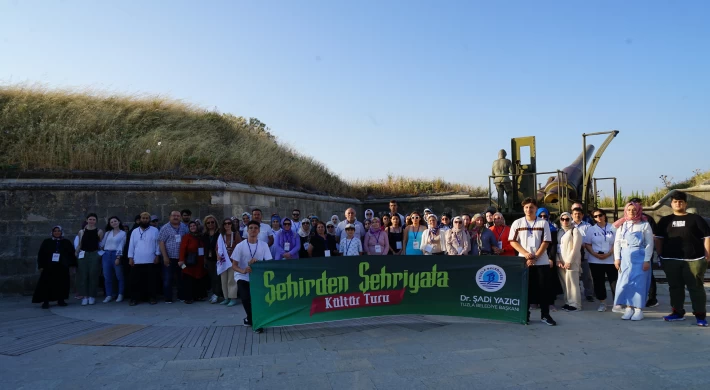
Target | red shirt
(501,233)
(191,244)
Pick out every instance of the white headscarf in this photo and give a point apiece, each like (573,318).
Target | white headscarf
(337,219)
(302,232)
(373,214)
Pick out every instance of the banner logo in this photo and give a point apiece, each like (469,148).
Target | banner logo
(490,278)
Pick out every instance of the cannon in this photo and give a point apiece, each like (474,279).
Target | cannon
(573,183)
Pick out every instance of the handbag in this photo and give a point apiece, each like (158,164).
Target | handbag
(191,259)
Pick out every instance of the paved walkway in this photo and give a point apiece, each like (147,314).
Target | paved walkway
(202,346)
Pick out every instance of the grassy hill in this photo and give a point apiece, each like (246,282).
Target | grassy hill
(56,133)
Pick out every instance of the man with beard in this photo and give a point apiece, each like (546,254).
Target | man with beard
(143,252)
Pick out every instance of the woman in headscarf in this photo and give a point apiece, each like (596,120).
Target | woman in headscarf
(246,217)
(228,240)
(304,234)
(569,262)
(276,227)
(55,256)
(483,241)
(501,231)
(433,238)
(192,262)
(335,219)
(555,285)
(376,239)
(458,242)
(633,249)
(287,243)
(369,214)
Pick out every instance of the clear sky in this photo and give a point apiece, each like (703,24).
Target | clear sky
(417,88)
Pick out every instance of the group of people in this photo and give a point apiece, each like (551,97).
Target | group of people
(211,260)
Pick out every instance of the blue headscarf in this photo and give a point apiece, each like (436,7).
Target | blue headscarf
(546,211)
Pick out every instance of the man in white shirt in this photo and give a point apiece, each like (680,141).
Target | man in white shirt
(531,236)
(350,219)
(583,227)
(245,254)
(266,234)
(143,252)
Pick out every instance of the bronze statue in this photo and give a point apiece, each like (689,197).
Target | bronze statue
(502,168)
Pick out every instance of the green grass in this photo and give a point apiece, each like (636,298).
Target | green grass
(55,132)
(650,199)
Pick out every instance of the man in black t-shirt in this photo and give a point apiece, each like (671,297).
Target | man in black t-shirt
(683,242)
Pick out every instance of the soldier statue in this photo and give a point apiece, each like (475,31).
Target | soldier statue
(502,168)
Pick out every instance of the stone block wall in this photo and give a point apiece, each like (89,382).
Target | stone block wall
(455,204)
(29,208)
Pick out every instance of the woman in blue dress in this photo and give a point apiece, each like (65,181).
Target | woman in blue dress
(413,236)
(633,249)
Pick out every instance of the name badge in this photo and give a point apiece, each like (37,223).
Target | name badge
(415,245)
(399,245)
(178,238)
(200,251)
(378,249)
(55,257)
(428,248)
(81,254)
(183,266)
(624,243)
(305,246)
(459,250)
(500,244)
(327,253)
(287,246)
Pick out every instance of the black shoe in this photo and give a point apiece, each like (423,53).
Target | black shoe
(246,323)
(590,299)
(132,302)
(45,305)
(260,330)
(652,303)
(548,321)
(61,303)
(571,308)
(566,307)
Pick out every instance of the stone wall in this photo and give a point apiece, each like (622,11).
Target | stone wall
(29,208)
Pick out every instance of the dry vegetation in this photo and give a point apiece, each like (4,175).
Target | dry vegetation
(86,132)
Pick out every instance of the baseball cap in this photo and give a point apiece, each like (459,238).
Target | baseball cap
(349,226)
(154,218)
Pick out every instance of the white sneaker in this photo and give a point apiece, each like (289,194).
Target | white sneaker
(638,315)
(627,314)
(213,299)
(602,307)
(108,299)
(84,301)
(617,309)
(92,300)
(119,298)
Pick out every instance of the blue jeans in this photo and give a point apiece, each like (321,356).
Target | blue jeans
(108,261)
(171,274)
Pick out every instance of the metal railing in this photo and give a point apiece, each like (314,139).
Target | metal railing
(562,190)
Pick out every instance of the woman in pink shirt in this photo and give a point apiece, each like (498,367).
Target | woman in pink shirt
(376,240)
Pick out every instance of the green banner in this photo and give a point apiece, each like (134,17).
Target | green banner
(304,291)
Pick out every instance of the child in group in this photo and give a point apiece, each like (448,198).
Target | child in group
(350,246)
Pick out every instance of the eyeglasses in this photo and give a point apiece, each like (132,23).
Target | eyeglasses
(209,223)
(306,223)
(564,219)
(497,218)
(295,214)
(598,215)
(543,216)
(331,227)
(416,218)
(287,224)
(457,221)
(226,223)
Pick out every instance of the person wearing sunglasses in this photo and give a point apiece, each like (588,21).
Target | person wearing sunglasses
(412,235)
(287,243)
(569,262)
(458,242)
(304,234)
(599,243)
(530,236)
(295,218)
(228,240)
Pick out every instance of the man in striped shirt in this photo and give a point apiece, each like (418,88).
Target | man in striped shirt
(531,236)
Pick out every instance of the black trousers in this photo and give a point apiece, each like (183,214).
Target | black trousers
(192,288)
(652,289)
(143,281)
(539,281)
(245,295)
(601,272)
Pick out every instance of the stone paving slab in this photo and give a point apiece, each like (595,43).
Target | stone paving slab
(587,350)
